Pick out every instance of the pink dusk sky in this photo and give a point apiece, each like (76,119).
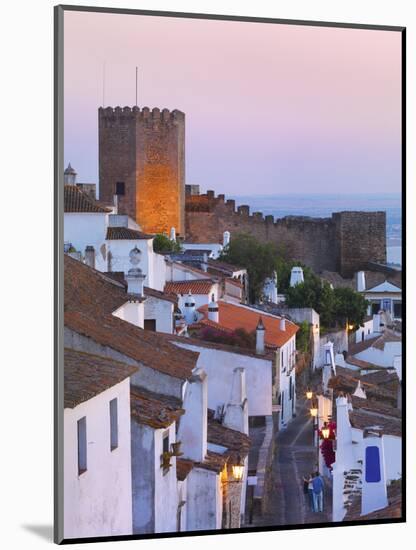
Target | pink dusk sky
(270,108)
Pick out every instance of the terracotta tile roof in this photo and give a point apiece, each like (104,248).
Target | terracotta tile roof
(224,266)
(86,375)
(76,200)
(387,425)
(141,345)
(90,298)
(393,510)
(213,461)
(376,406)
(377,342)
(354,348)
(125,233)
(119,276)
(365,365)
(383,377)
(152,409)
(346,381)
(237,443)
(269,355)
(183,468)
(199,286)
(232,316)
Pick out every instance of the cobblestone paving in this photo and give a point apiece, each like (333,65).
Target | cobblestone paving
(295,457)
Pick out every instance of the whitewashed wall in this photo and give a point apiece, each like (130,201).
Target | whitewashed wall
(204,502)
(200,299)
(383,358)
(365,332)
(87,229)
(162,311)
(132,312)
(99,501)
(219,366)
(165,489)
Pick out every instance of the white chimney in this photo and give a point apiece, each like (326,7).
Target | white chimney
(361,281)
(236,410)
(359,392)
(260,333)
(193,424)
(115,202)
(213,311)
(226,238)
(172,235)
(374,491)
(135,279)
(189,309)
(296,276)
(90,256)
(204,264)
(282,324)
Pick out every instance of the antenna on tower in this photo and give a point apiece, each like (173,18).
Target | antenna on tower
(104,84)
(136,86)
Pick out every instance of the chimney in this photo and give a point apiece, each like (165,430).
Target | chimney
(359,392)
(172,235)
(90,256)
(226,238)
(213,311)
(135,279)
(236,410)
(204,264)
(374,491)
(115,202)
(282,324)
(296,276)
(189,309)
(193,424)
(361,281)
(70,176)
(260,333)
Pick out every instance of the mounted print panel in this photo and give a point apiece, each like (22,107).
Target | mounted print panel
(229,209)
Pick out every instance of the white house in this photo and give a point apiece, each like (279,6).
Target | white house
(385,296)
(279,337)
(202,291)
(368,454)
(97,452)
(380,351)
(156,507)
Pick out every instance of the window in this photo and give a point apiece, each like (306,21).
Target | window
(82,445)
(113,424)
(165,448)
(120,188)
(150,324)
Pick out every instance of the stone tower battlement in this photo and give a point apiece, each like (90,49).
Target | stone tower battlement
(346,242)
(142,160)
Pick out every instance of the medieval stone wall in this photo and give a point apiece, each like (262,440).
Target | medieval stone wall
(145,150)
(346,242)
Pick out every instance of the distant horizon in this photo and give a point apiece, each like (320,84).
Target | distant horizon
(268,106)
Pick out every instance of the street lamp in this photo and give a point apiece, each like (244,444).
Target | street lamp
(314,411)
(238,471)
(325,430)
(309,393)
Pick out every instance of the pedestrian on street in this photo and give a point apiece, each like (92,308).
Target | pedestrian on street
(308,490)
(318,493)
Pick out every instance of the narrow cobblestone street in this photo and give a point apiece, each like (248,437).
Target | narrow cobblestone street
(295,457)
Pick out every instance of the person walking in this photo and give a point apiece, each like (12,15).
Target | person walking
(308,490)
(318,493)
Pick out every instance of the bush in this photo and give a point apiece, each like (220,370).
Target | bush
(162,243)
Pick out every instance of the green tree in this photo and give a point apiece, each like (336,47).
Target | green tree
(162,243)
(260,259)
(350,307)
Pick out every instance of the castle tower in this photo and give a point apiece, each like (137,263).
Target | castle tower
(142,161)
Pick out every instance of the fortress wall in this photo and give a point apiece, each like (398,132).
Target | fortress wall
(345,242)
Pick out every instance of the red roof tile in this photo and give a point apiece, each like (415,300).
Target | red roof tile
(87,375)
(237,443)
(152,409)
(199,286)
(76,200)
(125,233)
(232,317)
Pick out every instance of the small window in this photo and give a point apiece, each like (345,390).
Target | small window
(82,445)
(165,448)
(113,424)
(150,324)
(120,188)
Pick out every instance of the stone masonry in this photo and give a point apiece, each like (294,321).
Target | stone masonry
(346,242)
(145,150)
